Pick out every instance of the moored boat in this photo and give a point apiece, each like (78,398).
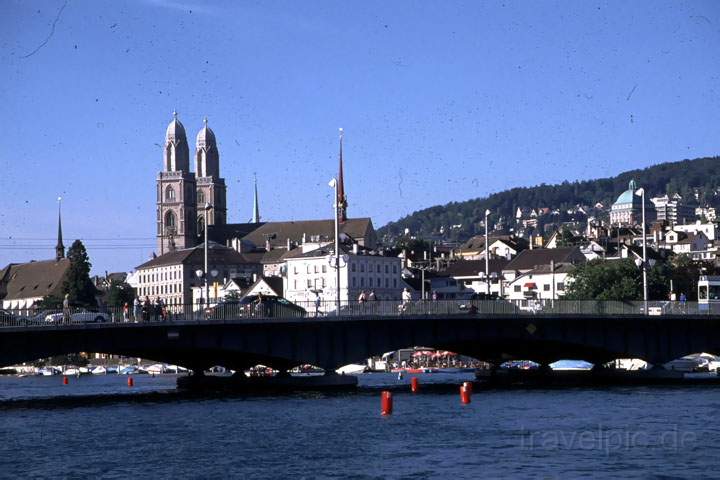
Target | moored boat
(352,369)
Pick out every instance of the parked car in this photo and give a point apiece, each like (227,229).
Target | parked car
(7,318)
(81,316)
(37,318)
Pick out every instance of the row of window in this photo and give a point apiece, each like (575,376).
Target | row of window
(315,269)
(353,267)
(546,287)
(314,283)
(159,277)
(377,284)
(317,283)
(160,289)
(170,195)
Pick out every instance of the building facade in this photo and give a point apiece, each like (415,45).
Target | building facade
(627,209)
(673,210)
(313,273)
(171,277)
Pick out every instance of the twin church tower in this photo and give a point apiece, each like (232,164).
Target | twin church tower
(183,196)
(185,199)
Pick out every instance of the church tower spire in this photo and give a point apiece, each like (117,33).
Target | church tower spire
(59,248)
(210,186)
(341,198)
(256,205)
(176,188)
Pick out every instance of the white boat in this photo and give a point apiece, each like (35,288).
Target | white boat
(155,369)
(571,365)
(48,371)
(306,371)
(99,370)
(128,370)
(72,371)
(351,369)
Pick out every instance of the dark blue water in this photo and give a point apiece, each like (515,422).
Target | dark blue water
(570,433)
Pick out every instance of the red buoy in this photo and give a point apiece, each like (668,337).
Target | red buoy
(464,395)
(386,403)
(65,380)
(468,386)
(131,382)
(414,385)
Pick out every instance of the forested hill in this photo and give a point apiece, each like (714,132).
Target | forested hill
(682,177)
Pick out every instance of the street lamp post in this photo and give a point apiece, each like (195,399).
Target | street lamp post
(487,259)
(641,193)
(333,185)
(207,285)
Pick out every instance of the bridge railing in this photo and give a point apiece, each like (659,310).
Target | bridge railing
(281,308)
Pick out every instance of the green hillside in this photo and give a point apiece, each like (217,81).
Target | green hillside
(684,177)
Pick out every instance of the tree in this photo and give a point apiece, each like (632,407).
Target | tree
(603,280)
(77,283)
(686,273)
(232,296)
(49,302)
(676,177)
(616,280)
(119,294)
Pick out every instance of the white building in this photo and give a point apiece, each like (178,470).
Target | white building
(505,246)
(172,276)
(627,209)
(672,209)
(310,273)
(696,245)
(708,229)
(542,283)
(540,273)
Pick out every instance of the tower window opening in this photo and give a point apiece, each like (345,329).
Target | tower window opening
(170,220)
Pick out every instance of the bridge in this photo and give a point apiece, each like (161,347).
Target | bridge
(492,331)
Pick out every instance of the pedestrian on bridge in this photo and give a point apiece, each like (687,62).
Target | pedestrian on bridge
(683,301)
(146,309)
(317,304)
(66,308)
(406,298)
(136,309)
(157,309)
(126,312)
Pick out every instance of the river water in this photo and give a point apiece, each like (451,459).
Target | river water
(97,427)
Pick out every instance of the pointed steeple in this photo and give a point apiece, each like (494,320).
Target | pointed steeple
(256,206)
(341,198)
(59,248)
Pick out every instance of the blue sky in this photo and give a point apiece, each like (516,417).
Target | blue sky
(440,101)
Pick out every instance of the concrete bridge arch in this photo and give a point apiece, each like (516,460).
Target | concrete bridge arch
(332,342)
